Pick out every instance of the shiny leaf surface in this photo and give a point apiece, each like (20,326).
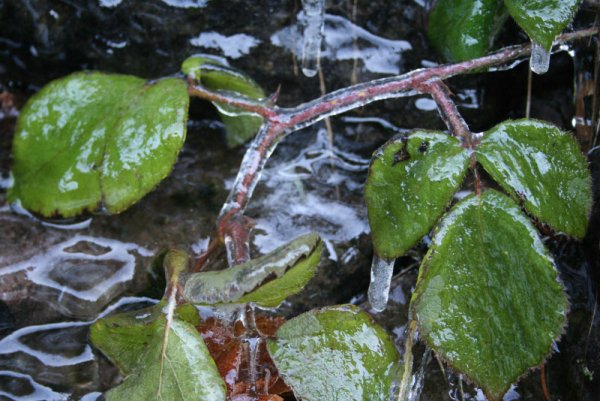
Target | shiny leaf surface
(411,181)
(124,336)
(94,141)
(542,19)
(214,75)
(266,280)
(488,300)
(175,365)
(336,354)
(542,167)
(463,29)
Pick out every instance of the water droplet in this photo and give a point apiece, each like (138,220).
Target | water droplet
(540,59)
(381,278)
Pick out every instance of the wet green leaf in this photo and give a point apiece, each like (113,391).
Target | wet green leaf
(266,281)
(94,141)
(542,167)
(175,365)
(214,75)
(542,19)
(488,300)
(124,337)
(411,181)
(464,29)
(336,354)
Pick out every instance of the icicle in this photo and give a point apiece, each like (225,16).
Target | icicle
(381,278)
(311,20)
(540,59)
(253,356)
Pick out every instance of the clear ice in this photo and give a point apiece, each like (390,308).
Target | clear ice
(540,59)
(311,21)
(381,278)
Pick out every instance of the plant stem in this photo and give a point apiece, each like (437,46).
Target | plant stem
(456,124)
(405,384)
(232,227)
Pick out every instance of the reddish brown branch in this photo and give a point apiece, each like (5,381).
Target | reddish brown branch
(245,103)
(232,227)
(456,124)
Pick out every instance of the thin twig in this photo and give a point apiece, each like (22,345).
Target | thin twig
(547,396)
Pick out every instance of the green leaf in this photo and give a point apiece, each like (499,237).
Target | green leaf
(124,337)
(542,20)
(93,141)
(175,365)
(488,299)
(336,354)
(464,29)
(266,281)
(542,167)
(214,75)
(411,181)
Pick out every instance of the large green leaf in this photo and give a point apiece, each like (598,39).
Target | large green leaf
(94,141)
(488,299)
(411,181)
(542,167)
(336,354)
(542,19)
(124,337)
(214,75)
(266,281)
(175,365)
(464,29)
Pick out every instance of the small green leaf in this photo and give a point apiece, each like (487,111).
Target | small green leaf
(124,337)
(464,29)
(266,281)
(411,181)
(175,365)
(542,20)
(488,299)
(211,73)
(543,167)
(336,354)
(93,141)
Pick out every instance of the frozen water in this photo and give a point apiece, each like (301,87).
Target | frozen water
(30,349)
(311,21)
(13,342)
(77,276)
(173,3)
(38,391)
(344,40)
(540,59)
(234,46)
(425,104)
(381,278)
(294,201)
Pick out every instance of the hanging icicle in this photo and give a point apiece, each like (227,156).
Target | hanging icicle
(310,21)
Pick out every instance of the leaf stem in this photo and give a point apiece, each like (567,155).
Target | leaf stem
(450,114)
(405,384)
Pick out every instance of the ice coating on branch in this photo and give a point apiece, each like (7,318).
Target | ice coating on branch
(381,278)
(540,59)
(310,22)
